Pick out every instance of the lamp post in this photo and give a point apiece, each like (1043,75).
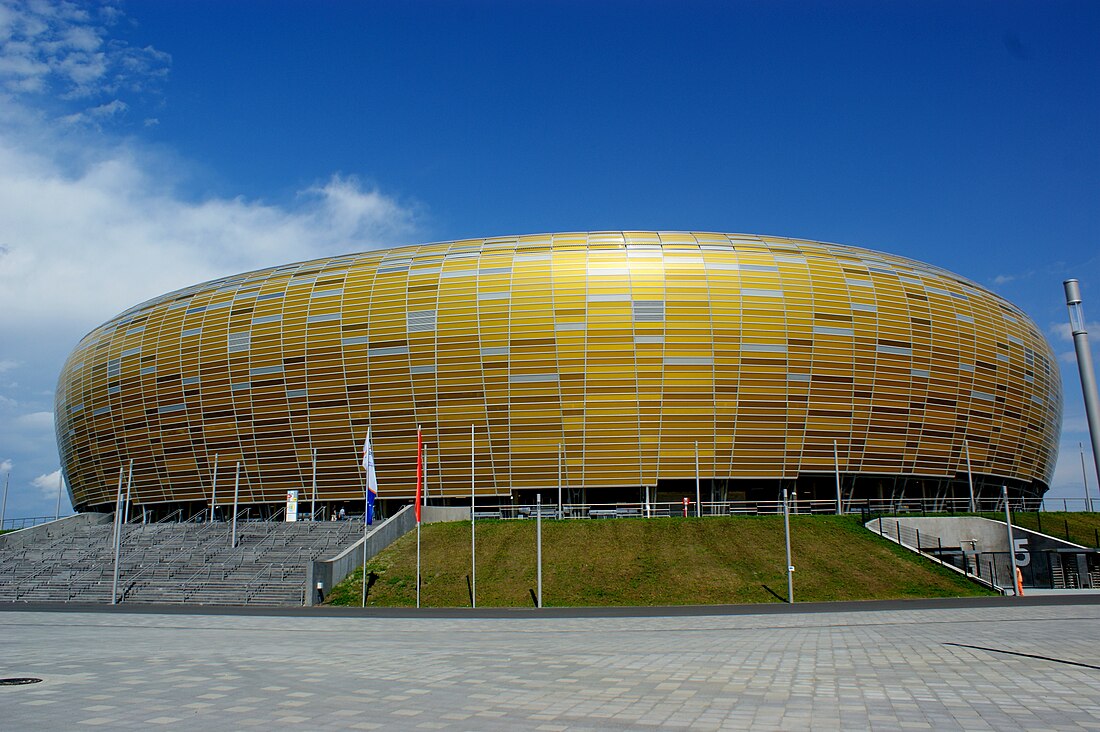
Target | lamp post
(1084,366)
(787,537)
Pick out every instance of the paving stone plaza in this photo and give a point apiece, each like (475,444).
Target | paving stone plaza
(973,665)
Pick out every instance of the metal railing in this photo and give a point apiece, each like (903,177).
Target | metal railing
(931,546)
(654,509)
(14,524)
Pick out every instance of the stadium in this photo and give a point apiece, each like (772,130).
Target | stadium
(621,366)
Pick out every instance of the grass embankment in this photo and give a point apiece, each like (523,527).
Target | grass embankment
(1079,528)
(665,561)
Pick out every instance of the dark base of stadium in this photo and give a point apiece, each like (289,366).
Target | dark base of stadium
(809,493)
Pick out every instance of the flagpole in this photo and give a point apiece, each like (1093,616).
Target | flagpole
(236,496)
(419,488)
(60,489)
(787,539)
(538,543)
(214,489)
(560,513)
(969,477)
(366,517)
(473,541)
(129,482)
(4,505)
(836,469)
(698,498)
(313,500)
(118,534)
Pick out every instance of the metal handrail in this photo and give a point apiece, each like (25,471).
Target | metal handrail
(750,507)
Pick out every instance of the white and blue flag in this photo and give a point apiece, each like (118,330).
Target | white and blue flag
(372,477)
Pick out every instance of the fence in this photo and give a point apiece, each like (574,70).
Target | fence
(14,524)
(653,509)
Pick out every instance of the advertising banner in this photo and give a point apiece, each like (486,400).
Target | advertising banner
(292,505)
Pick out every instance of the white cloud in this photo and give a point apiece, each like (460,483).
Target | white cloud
(1003,279)
(63,49)
(83,245)
(1067,482)
(94,222)
(5,466)
(1064,332)
(36,420)
(93,116)
(48,483)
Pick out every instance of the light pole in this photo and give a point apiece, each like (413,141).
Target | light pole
(1084,366)
(787,537)
(4,505)
(836,468)
(538,543)
(1085,478)
(1011,543)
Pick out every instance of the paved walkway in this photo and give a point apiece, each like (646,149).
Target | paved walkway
(985,667)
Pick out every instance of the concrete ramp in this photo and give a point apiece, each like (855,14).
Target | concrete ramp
(979,547)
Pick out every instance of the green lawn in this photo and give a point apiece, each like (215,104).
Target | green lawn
(666,561)
(1079,528)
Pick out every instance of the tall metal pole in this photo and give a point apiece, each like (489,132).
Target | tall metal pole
(424,458)
(366,508)
(420,498)
(560,514)
(787,538)
(236,495)
(1084,366)
(1085,478)
(313,482)
(970,477)
(836,469)
(129,483)
(214,489)
(118,534)
(4,505)
(60,490)
(698,496)
(1011,542)
(538,543)
(473,540)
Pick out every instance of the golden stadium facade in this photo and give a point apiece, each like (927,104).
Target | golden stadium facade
(605,356)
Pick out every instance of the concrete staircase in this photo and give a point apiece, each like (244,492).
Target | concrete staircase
(170,563)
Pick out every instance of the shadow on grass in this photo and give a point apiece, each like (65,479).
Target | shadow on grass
(774,594)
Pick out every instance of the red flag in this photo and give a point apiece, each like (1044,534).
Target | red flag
(419,470)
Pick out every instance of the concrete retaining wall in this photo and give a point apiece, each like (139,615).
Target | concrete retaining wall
(329,572)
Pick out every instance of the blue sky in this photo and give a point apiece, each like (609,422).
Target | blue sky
(147,146)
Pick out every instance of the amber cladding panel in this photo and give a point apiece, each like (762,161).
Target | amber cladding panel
(623,348)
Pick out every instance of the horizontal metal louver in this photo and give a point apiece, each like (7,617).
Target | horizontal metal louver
(240,342)
(420,321)
(649,311)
